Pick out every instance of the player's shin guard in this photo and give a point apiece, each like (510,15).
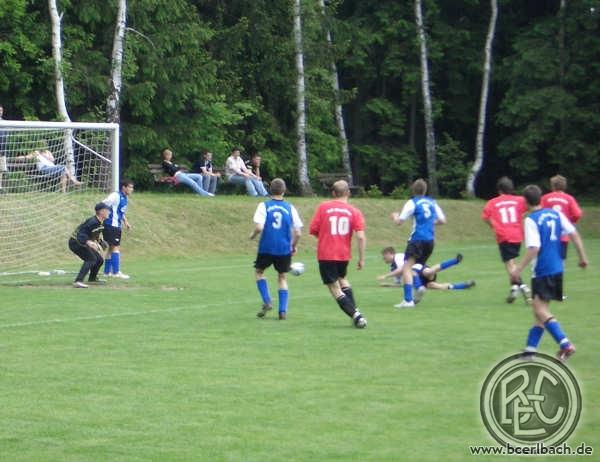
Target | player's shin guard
(533,339)
(116,262)
(283,300)
(346,305)
(553,326)
(408,292)
(348,293)
(263,289)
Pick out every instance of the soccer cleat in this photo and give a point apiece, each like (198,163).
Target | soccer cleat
(470,283)
(459,257)
(80,285)
(405,304)
(565,353)
(360,322)
(97,281)
(120,275)
(512,296)
(526,291)
(282,316)
(527,355)
(419,294)
(264,310)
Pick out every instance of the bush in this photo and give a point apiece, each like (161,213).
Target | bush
(374,192)
(452,168)
(139,174)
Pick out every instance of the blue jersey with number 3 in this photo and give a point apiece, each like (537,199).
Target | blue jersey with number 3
(276,237)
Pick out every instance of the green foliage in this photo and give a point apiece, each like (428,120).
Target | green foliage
(202,74)
(452,167)
(137,171)
(374,192)
(400,192)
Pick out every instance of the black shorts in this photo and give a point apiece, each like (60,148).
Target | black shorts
(280,262)
(548,287)
(112,235)
(509,250)
(419,250)
(331,271)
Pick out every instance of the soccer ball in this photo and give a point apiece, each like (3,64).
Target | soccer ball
(297,268)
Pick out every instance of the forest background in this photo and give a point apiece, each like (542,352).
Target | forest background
(213,74)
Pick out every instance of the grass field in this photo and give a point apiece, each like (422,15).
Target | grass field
(173,365)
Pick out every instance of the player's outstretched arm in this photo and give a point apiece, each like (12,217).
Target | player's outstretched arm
(578,242)
(527,259)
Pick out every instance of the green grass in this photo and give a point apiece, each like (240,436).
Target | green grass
(173,365)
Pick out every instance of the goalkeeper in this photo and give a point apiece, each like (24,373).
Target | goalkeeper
(85,242)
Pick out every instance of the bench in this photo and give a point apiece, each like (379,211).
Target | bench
(160,177)
(327,180)
(223,187)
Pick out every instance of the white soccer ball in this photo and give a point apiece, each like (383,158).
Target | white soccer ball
(297,268)
(44,273)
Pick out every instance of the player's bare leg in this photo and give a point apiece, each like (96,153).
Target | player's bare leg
(517,287)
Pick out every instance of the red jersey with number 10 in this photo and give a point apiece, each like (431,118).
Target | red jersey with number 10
(333,224)
(505,214)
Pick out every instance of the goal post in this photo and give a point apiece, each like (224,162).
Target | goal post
(51,175)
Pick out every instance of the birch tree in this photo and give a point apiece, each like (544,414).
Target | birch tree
(485,85)
(339,116)
(59,84)
(113,111)
(303,179)
(427,106)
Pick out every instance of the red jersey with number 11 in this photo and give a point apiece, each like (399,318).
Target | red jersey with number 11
(333,224)
(505,214)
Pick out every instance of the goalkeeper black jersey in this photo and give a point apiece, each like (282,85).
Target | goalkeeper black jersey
(89,230)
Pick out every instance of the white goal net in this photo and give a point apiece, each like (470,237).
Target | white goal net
(51,175)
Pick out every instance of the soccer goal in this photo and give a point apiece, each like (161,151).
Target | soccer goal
(51,175)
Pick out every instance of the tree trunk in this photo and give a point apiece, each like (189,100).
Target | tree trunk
(113,110)
(339,116)
(485,86)
(427,106)
(59,84)
(305,187)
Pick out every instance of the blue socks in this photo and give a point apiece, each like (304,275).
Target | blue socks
(449,263)
(460,286)
(116,262)
(534,337)
(283,300)
(263,289)
(408,292)
(108,265)
(558,335)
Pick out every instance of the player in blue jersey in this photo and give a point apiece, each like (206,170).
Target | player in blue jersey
(280,225)
(113,226)
(543,230)
(424,277)
(426,213)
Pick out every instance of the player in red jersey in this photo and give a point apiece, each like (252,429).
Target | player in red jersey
(562,202)
(333,224)
(504,213)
